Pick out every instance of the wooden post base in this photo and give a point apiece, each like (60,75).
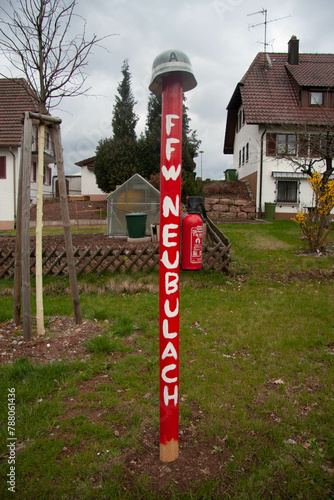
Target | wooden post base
(169,451)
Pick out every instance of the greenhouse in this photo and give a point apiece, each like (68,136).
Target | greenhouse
(138,200)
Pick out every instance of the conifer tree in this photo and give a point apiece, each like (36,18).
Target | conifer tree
(124,118)
(116,156)
(149,146)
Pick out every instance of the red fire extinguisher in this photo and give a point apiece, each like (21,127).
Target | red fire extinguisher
(192,234)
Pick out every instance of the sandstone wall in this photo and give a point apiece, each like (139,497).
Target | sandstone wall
(222,209)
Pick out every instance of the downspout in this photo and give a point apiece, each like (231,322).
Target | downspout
(261,173)
(14,181)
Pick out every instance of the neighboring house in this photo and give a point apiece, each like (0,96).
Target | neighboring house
(73,185)
(281,98)
(88,180)
(15,99)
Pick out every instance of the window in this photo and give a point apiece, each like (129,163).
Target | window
(247,151)
(47,176)
(281,144)
(240,158)
(2,167)
(241,119)
(287,191)
(316,98)
(286,144)
(243,155)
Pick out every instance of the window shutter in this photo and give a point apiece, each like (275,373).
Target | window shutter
(271,144)
(303,144)
(2,167)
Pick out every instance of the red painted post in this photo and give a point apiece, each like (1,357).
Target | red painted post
(172,75)
(169,297)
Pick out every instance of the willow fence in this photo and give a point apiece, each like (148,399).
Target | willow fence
(216,256)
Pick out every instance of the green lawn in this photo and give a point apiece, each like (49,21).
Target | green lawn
(256,384)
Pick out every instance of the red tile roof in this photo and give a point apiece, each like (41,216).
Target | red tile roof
(88,162)
(15,99)
(269,93)
(313,70)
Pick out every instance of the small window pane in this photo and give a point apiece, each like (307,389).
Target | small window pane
(291,149)
(281,144)
(316,98)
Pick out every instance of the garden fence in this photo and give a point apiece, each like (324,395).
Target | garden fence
(216,256)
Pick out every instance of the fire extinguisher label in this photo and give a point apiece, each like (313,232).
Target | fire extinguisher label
(196,245)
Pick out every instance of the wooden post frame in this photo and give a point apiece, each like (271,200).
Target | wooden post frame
(171,76)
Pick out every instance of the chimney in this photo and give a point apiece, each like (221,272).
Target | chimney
(293,50)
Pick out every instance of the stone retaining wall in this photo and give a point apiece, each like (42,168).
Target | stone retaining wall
(219,209)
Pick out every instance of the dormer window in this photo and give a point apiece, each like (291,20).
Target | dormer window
(316,98)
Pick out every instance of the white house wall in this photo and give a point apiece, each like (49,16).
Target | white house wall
(89,186)
(8,189)
(252,135)
(304,197)
(247,134)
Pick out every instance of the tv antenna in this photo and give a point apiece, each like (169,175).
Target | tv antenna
(265,22)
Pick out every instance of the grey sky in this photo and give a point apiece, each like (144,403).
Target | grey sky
(216,37)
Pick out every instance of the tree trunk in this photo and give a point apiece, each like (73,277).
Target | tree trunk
(39,233)
(26,166)
(56,137)
(18,250)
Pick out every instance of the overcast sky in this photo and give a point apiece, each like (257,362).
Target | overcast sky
(217,37)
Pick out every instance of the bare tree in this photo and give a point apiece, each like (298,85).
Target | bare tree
(311,151)
(36,39)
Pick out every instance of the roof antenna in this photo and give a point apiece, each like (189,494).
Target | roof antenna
(264,12)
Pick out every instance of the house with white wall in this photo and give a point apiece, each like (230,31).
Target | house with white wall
(72,183)
(15,99)
(280,110)
(88,180)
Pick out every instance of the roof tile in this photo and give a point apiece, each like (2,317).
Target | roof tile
(15,99)
(269,92)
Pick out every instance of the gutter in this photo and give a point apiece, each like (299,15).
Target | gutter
(261,172)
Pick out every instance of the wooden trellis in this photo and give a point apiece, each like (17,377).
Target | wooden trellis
(216,256)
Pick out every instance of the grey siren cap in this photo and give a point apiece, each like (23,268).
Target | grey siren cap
(170,61)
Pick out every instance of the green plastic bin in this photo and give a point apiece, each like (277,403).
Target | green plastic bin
(231,174)
(136,224)
(269,211)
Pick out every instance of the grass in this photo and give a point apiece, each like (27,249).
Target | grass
(256,381)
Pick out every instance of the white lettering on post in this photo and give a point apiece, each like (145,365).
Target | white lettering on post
(171,282)
(169,351)
(171,173)
(174,396)
(169,148)
(166,235)
(166,333)
(168,312)
(168,206)
(169,265)
(164,377)
(169,123)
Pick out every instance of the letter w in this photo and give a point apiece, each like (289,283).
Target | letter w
(171,173)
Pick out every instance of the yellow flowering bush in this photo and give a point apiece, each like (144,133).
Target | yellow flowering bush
(314,223)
